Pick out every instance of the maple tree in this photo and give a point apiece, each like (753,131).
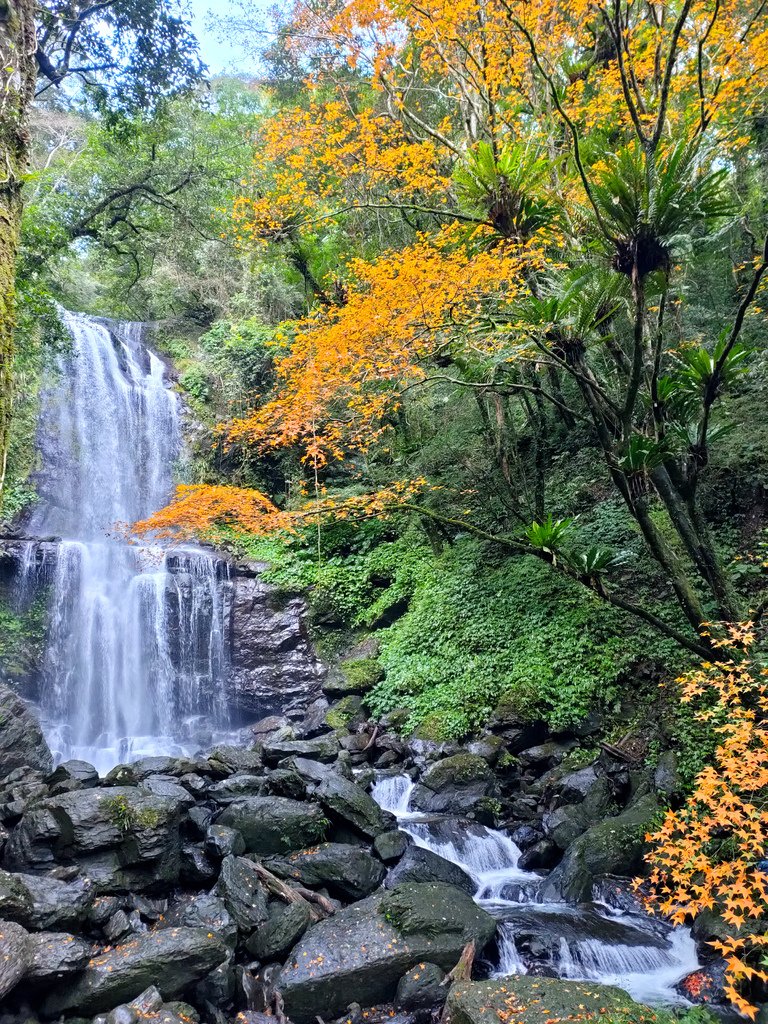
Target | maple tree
(517,190)
(710,854)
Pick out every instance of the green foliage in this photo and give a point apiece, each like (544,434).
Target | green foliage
(362,673)
(196,383)
(120,812)
(22,635)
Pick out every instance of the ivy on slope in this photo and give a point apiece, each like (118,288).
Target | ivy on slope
(471,631)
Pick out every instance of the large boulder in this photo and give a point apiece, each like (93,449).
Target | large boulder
(242,893)
(21,739)
(532,1000)
(273,824)
(135,829)
(613,847)
(286,924)
(420,865)
(454,785)
(347,871)
(54,904)
(171,959)
(348,803)
(15,955)
(56,954)
(361,953)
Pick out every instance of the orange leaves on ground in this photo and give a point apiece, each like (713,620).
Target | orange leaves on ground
(202,511)
(346,366)
(710,854)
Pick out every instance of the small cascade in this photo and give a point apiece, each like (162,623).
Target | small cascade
(590,942)
(138,639)
(510,961)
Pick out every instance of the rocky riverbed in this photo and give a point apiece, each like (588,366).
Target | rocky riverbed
(266,879)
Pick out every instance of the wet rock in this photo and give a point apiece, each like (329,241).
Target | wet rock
(488,747)
(221,841)
(21,738)
(74,771)
(139,827)
(323,748)
(274,666)
(420,865)
(168,787)
(194,784)
(198,820)
(55,954)
(666,778)
(454,785)
(117,926)
(707,985)
(421,988)
(391,845)
(56,904)
(285,925)
(235,759)
(544,755)
(349,803)
(15,955)
(206,911)
(272,825)
(286,782)
(525,836)
(530,1000)
(15,898)
(348,872)
(242,893)
(361,953)
(196,867)
(137,771)
(170,959)
(265,728)
(614,847)
(236,787)
(313,722)
(540,856)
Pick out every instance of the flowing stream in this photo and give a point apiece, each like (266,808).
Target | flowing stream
(136,654)
(589,942)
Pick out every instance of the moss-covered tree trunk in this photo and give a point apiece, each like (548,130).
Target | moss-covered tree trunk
(17,79)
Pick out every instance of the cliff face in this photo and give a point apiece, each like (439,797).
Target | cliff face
(274,667)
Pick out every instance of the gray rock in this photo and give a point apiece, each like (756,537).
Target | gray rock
(323,748)
(197,869)
(74,771)
(21,738)
(15,898)
(420,865)
(271,825)
(236,787)
(221,841)
(666,778)
(236,759)
(540,856)
(285,925)
(55,954)
(242,893)
(169,788)
(15,955)
(421,988)
(361,953)
(348,872)
(117,926)
(545,755)
(56,904)
(391,845)
(138,827)
(206,911)
(170,959)
(348,802)
(274,666)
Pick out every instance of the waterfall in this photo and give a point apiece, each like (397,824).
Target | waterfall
(592,942)
(138,638)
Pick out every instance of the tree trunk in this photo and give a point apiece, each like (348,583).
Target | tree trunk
(17,79)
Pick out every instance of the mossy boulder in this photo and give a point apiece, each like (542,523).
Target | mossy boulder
(532,1000)
(274,824)
(346,713)
(613,847)
(354,676)
(361,953)
(454,785)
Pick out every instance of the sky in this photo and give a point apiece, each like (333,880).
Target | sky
(220,51)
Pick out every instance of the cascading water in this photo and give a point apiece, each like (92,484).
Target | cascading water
(138,638)
(590,942)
